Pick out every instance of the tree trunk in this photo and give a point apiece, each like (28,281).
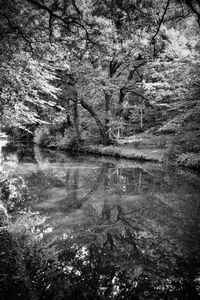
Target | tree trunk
(141,118)
(120,102)
(102,128)
(69,123)
(107,112)
(76,119)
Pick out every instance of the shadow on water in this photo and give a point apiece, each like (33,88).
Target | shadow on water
(123,230)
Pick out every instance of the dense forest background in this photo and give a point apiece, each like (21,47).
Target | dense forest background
(91,72)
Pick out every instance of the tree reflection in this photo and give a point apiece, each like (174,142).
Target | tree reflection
(122,232)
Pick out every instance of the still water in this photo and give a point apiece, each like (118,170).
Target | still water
(132,230)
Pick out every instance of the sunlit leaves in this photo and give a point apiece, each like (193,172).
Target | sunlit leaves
(26,83)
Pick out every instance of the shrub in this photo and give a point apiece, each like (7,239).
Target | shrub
(191,160)
(42,136)
(171,126)
(14,194)
(20,133)
(171,156)
(28,261)
(69,141)
(188,141)
(91,137)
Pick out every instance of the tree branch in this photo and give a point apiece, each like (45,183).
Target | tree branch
(161,20)
(95,117)
(193,8)
(17,29)
(76,7)
(137,94)
(67,20)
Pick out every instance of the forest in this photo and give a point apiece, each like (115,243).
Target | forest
(99,149)
(81,74)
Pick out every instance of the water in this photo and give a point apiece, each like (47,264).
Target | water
(127,230)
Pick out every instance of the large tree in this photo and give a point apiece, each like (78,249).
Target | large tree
(106,49)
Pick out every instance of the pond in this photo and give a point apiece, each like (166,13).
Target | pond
(127,230)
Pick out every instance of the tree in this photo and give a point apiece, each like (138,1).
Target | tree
(105,48)
(30,52)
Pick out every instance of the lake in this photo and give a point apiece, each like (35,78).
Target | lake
(127,230)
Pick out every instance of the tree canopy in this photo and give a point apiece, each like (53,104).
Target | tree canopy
(117,66)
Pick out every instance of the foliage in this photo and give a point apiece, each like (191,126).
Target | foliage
(117,67)
(35,262)
(14,194)
(23,82)
(51,136)
(69,141)
(42,136)
(191,160)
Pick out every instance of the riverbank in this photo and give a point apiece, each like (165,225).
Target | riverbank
(146,148)
(124,153)
(141,147)
(163,155)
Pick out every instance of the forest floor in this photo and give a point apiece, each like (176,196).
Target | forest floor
(146,145)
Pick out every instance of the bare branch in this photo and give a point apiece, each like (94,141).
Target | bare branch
(19,31)
(161,20)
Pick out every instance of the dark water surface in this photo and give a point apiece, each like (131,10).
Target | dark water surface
(131,231)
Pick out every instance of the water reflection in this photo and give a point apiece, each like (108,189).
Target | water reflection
(126,231)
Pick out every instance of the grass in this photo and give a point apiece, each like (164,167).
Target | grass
(125,153)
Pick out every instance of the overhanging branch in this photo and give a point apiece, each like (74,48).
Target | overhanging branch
(69,20)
